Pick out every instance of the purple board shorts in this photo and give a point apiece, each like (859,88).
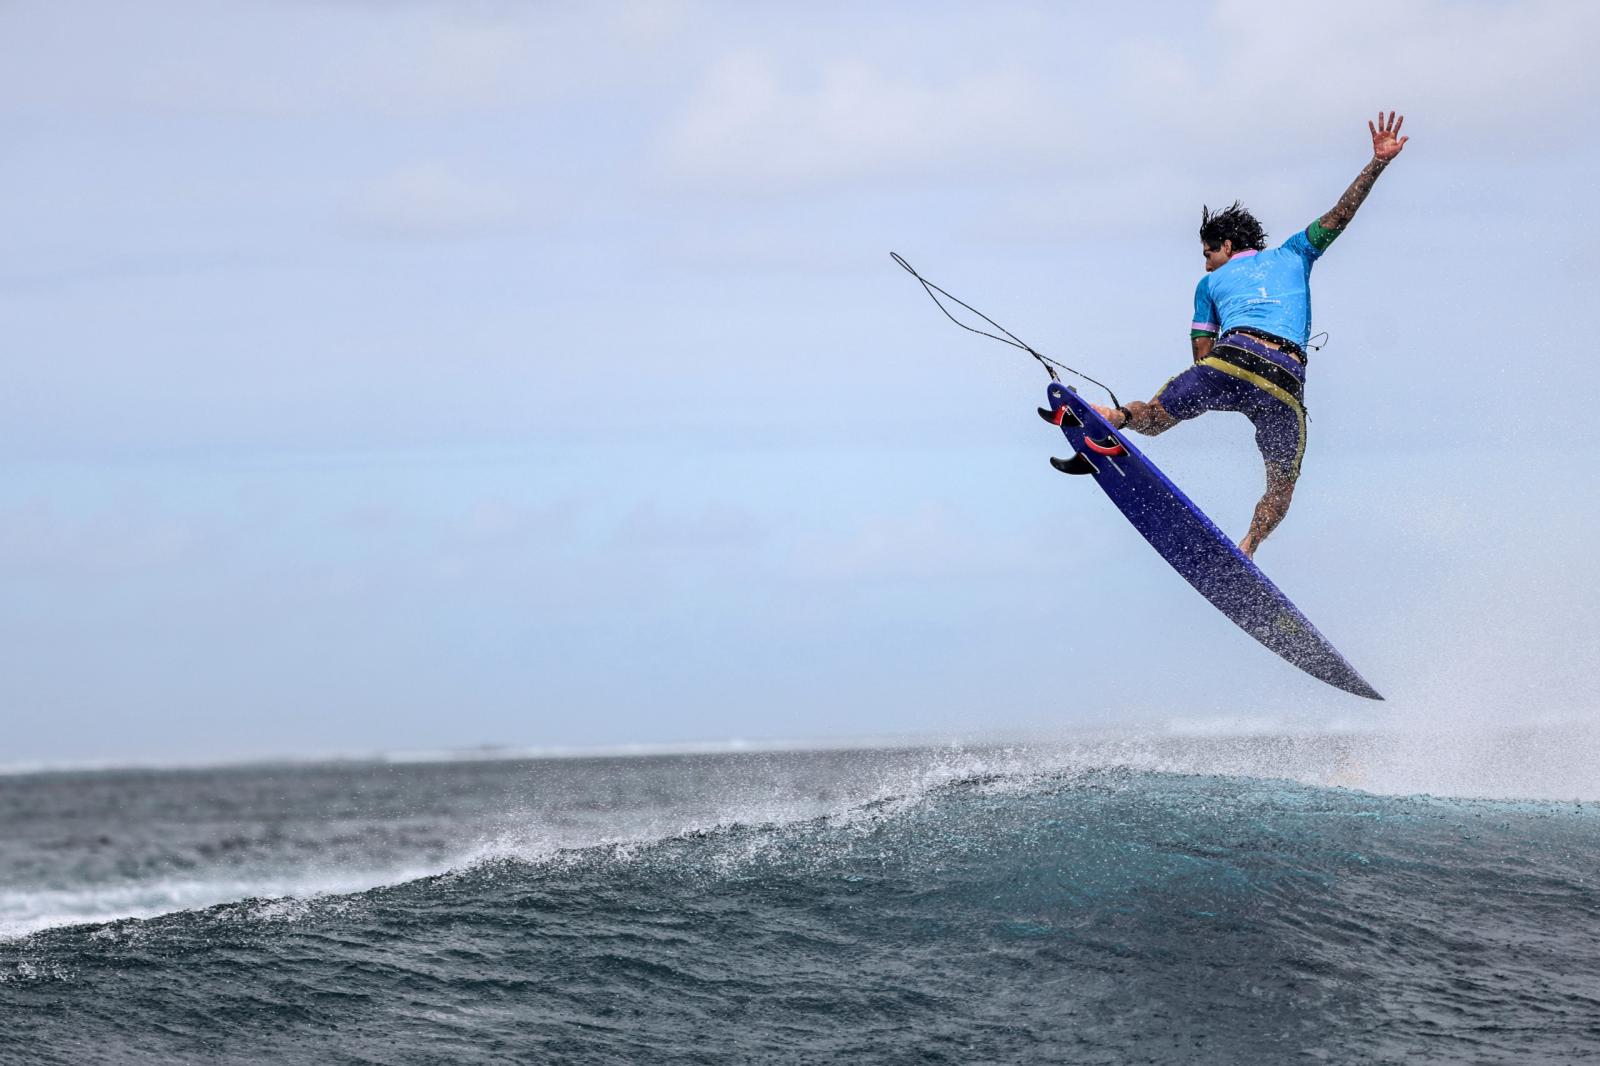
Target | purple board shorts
(1263,384)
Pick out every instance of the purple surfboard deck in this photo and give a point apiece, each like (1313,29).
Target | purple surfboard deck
(1201,553)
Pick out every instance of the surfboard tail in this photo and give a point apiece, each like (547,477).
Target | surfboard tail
(1193,545)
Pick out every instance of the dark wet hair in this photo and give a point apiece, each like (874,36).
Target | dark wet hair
(1234,224)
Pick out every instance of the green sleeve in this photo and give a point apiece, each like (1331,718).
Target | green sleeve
(1320,236)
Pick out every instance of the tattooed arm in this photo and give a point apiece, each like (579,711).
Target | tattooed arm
(1386,144)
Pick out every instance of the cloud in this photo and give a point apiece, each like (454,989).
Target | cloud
(302,60)
(935,542)
(42,541)
(1268,72)
(473,63)
(650,23)
(716,527)
(431,201)
(749,124)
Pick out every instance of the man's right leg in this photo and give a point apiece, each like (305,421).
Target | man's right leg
(1151,418)
(1190,394)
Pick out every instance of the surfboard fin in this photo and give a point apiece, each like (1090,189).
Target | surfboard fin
(1078,464)
(1107,446)
(1060,417)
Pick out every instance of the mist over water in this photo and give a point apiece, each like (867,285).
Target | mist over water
(99,845)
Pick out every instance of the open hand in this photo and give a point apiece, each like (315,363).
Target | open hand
(1386,139)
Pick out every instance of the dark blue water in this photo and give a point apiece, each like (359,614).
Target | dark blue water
(865,907)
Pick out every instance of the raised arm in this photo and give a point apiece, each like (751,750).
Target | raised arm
(1386,144)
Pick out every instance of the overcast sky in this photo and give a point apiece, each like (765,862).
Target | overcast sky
(397,375)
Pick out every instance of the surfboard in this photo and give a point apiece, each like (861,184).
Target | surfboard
(1191,543)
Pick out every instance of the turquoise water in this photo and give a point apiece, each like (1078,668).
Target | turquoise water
(891,908)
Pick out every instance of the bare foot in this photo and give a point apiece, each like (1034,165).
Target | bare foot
(1249,547)
(1112,416)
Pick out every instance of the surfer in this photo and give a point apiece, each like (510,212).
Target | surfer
(1252,320)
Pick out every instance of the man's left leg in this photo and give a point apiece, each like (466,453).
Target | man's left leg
(1188,395)
(1281,437)
(1274,504)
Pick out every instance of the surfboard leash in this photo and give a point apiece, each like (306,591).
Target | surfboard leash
(1050,365)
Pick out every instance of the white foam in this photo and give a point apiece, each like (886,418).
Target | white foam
(1551,761)
(24,911)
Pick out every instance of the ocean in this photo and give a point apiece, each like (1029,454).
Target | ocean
(1176,901)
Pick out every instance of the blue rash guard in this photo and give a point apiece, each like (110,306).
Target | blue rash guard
(1264,292)
(1268,291)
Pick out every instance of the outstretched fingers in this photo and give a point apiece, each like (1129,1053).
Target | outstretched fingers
(1386,139)
(1389,123)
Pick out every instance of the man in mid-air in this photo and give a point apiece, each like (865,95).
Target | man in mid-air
(1252,319)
